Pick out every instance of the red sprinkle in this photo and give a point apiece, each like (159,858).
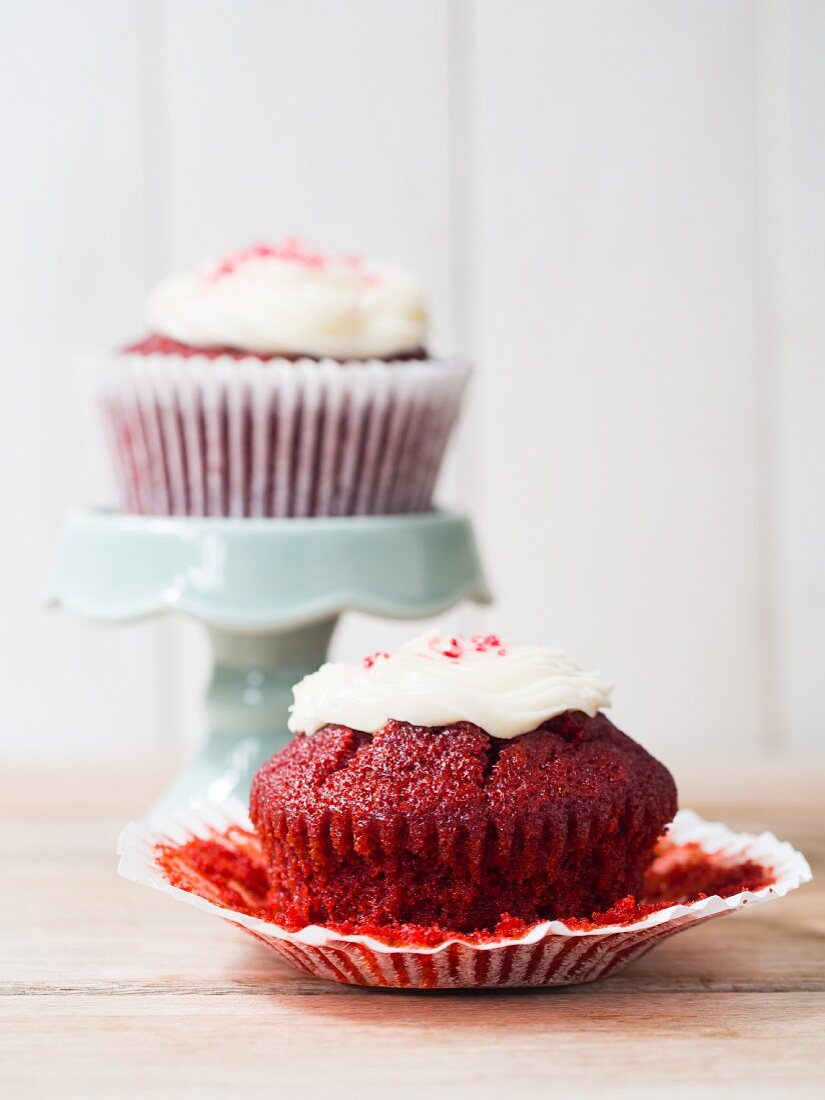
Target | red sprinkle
(291,250)
(458,647)
(373,658)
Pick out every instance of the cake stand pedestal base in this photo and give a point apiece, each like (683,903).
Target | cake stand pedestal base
(270,593)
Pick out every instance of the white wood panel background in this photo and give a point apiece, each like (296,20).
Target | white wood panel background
(618,209)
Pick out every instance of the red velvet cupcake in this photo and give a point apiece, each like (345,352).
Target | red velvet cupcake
(457,784)
(281,381)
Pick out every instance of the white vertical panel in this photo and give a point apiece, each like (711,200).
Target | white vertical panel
(72,275)
(616,306)
(792,230)
(318,117)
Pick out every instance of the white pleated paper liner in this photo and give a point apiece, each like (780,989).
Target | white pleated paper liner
(549,954)
(241,437)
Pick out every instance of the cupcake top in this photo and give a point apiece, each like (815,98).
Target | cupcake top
(288,299)
(435,680)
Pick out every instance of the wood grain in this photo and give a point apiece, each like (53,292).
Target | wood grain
(107,989)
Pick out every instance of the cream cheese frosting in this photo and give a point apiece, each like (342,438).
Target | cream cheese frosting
(288,299)
(435,680)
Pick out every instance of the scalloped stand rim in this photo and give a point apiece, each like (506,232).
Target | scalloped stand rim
(269,592)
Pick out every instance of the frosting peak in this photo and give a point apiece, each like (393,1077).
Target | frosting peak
(291,299)
(435,680)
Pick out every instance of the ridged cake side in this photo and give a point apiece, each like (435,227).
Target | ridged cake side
(451,827)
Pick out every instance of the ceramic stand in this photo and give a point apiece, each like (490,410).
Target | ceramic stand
(270,593)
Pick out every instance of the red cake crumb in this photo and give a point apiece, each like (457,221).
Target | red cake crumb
(230,870)
(451,827)
(679,876)
(165,345)
(156,344)
(685,872)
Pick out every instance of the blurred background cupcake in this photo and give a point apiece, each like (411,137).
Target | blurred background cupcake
(281,381)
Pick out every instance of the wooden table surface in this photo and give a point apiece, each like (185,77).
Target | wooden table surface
(109,989)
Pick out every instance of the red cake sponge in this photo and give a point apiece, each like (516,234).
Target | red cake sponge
(448,826)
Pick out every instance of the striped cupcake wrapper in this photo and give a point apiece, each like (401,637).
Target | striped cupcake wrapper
(549,954)
(227,437)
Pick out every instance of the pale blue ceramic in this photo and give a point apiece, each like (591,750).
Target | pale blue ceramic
(270,592)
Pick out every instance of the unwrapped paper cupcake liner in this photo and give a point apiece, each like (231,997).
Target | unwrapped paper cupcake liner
(549,954)
(241,437)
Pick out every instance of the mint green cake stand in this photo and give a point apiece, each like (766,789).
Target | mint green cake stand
(269,592)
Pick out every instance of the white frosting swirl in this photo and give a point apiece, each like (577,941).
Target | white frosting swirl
(436,681)
(288,300)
